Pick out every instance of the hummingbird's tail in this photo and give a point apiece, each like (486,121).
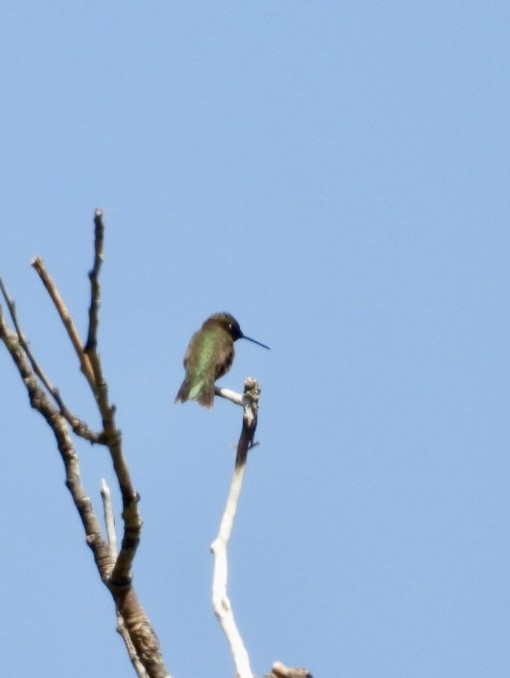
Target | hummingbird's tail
(206,398)
(202,393)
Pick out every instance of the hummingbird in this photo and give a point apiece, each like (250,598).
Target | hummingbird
(209,356)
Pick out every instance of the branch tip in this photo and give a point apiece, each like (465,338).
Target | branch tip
(279,670)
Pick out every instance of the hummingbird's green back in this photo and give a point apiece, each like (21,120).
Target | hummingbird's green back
(209,356)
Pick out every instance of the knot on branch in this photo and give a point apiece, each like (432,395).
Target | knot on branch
(251,394)
(251,398)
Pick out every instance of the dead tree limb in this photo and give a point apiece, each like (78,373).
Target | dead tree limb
(221,603)
(114,569)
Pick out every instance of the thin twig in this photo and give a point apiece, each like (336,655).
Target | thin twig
(79,426)
(109,518)
(100,389)
(66,318)
(226,393)
(95,289)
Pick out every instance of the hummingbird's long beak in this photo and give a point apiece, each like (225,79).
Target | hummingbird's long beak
(255,342)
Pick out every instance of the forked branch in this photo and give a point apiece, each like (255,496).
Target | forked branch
(114,569)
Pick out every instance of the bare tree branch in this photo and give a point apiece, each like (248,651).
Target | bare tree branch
(95,289)
(66,318)
(220,600)
(114,570)
(109,520)
(40,401)
(121,574)
(221,603)
(79,427)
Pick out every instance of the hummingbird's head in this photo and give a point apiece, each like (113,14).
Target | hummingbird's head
(231,326)
(228,323)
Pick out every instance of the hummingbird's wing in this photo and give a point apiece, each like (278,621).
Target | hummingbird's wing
(209,356)
(224,359)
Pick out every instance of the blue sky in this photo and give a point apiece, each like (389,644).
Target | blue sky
(335,175)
